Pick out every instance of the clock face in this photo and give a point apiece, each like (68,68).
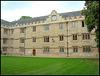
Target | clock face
(54,18)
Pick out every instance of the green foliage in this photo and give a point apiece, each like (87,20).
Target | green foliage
(25,17)
(91,13)
(15,65)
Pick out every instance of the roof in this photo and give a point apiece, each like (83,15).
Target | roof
(42,18)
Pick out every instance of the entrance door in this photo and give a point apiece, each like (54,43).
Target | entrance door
(33,51)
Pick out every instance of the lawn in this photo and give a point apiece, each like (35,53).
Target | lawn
(16,65)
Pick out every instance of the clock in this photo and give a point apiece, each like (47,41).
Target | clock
(53,17)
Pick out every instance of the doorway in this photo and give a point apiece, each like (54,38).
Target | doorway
(34,52)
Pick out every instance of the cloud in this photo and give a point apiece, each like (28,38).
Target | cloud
(38,8)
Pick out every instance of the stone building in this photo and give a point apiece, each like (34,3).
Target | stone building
(57,34)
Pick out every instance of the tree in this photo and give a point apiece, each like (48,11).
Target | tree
(91,13)
(25,17)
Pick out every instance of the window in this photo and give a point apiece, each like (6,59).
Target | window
(83,24)
(22,49)
(61,49)
(74,37)
(4,40)
(12,31)
(34,39)
(86,36)
(5,49)
(61,26)
(46,28)
(86,49)
(11,41)
(6,31)
(46,39)
(74,24)
(61,38)
(11,49)
(34,29)
(22,30)
(46,49)
(75,49)
(21,40)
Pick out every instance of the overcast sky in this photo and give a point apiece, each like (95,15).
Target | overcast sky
(13,10)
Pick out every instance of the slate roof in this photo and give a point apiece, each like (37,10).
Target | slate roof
(42,18)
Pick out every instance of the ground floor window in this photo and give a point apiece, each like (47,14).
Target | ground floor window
(46,49)
(61,49)
(4,49)
(21,49)
(75,49)
(11,49)
(87,49)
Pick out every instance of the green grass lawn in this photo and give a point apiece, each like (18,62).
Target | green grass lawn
(15,65)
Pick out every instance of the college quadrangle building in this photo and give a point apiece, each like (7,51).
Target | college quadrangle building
(57,34)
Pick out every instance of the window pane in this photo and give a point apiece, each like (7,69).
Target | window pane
(86,49)
(73,24)
(44,28)
(48,27)
(62,49)
(83,37)
(62,26)
(88,36)
(48,49)
(62,38)
(89,49)
(73,37)
(76,37)
(82,23)
(83,49)
(73,49)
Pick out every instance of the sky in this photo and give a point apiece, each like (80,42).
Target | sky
(13,10)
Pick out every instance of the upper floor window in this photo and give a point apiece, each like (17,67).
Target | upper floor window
(75,49)
(86,49)
(34,29)
(86,36)
(74,24)
(74,37)
(4,40)
(61,38)
(61,26)
(46,49)
(6,31)
(46,39)
(12,31)
(22,30)
(83,24)
(34,39)
(21,40)
(61,49)
(46,27)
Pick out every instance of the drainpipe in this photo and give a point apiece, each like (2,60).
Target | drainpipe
(9,39)
(67,38)
(24,40)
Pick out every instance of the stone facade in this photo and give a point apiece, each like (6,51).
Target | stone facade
(17,39)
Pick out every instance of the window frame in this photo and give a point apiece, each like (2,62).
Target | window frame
(61,49)
(75,49)
(46,50)
(61,38)
(34,27)
(46,38)
(46,27)
(74,24)
(87,49)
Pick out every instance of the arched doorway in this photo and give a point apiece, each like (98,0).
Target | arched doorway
(34,52)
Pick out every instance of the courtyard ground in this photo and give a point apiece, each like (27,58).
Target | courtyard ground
(17,65)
